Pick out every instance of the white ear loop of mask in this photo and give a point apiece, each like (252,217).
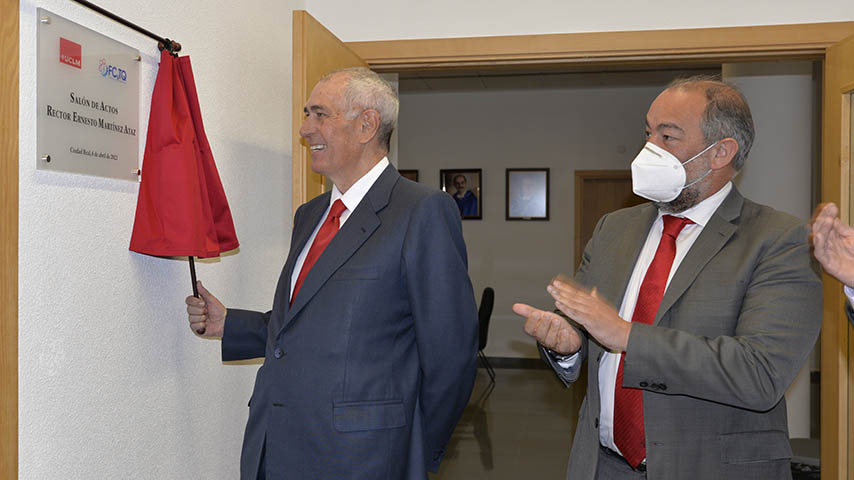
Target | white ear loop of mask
(694,158)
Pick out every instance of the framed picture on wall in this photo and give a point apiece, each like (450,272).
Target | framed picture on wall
(464,185)
(410,174)
(527,194)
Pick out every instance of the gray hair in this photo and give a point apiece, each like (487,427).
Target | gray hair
(727,114)
(364,90)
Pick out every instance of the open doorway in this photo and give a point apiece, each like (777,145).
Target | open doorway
(569,121)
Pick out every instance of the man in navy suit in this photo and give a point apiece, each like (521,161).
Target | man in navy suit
(369,349)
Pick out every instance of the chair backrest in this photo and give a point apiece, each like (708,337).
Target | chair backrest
(483,315)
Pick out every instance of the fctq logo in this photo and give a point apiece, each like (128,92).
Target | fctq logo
(70,53)
(112,71)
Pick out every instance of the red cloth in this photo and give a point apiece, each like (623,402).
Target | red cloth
(629,435)
(321,240)
(181,209)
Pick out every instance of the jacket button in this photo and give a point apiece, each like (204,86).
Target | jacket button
(278,353)
(644,384)
(596,422)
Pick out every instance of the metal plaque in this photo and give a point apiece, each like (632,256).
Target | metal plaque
(88,101)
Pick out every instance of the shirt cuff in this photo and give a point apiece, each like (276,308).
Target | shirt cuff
(849,292)
(564,361)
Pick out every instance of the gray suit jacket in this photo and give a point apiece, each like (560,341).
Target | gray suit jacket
(367,374)
(737,322)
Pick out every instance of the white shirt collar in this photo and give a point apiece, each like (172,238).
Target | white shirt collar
(703,211)
(357,192)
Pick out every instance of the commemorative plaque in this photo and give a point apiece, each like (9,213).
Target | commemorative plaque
(88,101)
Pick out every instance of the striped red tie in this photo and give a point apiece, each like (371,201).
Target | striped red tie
(628,402)
(324,236)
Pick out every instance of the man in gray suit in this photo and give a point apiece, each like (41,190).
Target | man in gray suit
(369,349)
(833,244)
(694,312)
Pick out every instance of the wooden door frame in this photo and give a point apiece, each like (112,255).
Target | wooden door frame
(310,40)
(659,48)
(585,50)
(9,39)
(837,374)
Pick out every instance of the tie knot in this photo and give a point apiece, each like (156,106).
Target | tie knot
(337,209)
(674,225)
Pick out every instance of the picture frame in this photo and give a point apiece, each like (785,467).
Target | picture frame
(527,194)
(465,185)
(410,174)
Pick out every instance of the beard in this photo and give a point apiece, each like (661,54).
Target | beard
(686,199)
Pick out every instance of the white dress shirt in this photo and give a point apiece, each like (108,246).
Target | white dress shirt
(610,362)
(351,200)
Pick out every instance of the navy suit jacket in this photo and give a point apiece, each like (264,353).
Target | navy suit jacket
(366,375)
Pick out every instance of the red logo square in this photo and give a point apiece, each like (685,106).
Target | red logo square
(70,53)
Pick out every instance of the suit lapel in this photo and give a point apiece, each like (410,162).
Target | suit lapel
(628,246)
(356,230)
(309,219)
(711,240)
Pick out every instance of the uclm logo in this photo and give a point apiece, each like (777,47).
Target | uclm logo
(112,71)
(70,53)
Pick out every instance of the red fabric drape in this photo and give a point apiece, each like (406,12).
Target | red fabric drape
(181,209)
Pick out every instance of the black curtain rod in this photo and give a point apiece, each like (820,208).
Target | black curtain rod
(161,42)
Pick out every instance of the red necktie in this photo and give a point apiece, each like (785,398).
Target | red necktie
(324,236)
(628,402)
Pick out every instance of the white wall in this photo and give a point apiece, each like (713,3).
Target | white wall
(782,98)
(112,382)
(404,19)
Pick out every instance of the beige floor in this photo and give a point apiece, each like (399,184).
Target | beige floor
(521,429)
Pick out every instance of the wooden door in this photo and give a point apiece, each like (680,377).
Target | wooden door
(598,192)
(316,51)
(837,350)
(9,238)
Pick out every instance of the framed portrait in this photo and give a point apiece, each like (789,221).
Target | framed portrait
(410,174)
(464,186)
(527,194)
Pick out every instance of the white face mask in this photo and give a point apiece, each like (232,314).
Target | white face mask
(658,175)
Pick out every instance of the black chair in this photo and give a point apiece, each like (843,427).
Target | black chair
(483,314)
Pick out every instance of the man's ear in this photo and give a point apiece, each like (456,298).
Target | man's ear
(723,153)
(369,125)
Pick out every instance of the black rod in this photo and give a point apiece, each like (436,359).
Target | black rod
(175,46)
(200,331)
(193,277)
